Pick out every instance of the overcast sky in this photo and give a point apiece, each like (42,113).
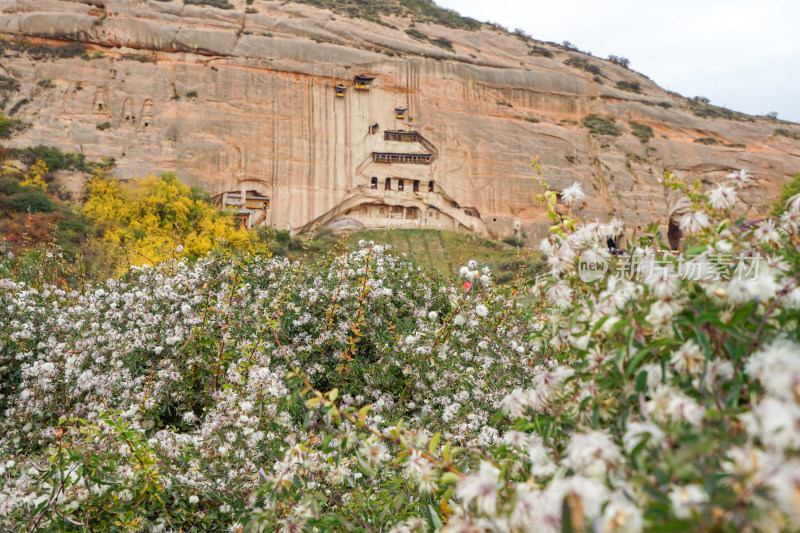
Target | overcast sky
(741,54)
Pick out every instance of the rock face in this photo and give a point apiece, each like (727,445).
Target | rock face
(248,101)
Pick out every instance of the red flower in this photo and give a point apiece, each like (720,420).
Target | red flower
(467,285)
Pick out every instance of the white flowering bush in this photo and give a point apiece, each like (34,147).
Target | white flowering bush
(167,397)
(248,393)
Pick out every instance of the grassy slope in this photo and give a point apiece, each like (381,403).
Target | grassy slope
(420,10)
(445,251)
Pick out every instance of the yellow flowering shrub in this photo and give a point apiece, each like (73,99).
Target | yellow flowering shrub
(159,216)
(35,175)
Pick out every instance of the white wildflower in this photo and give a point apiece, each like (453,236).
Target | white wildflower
(777,366)
(542,464)
(621,516)
(694,222)
(374,451)
(639,431)
(592,452)
(560,294)
(689,358)
(775,422)
(572,194)
(592,493)
(767,233)
(793,204)
(739,177)
(481,488)
(687,499)
(785,485)
(562,259)
(723,197)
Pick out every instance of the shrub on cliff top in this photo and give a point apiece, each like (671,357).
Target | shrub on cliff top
(10,126)
(30,201)
(599,125)
(55,159)
(788,133)
(630,86)
(43,51)
(439,41)
(8,84)
(583,63)
(619,60)
(642,131)
(706,140)
(702,107)
(419,10)
(536,50)
(221,4)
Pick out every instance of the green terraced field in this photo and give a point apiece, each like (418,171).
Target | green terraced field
(445,251)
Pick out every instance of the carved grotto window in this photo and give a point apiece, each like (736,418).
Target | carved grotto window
(127,110)
(147,113)
(100,104)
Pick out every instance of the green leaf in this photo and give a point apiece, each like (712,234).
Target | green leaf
(399,500)
(400,456)
(497,417)
(365,468)
(448,494)
(641,381)
(434,443)
(598,325)
(435,521)
(640,355)
(743,312)
(446,453)
(311,403)
(702,340)
(696,250)
(619,325)
(449,477)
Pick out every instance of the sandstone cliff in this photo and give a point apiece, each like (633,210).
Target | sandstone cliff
(245,99)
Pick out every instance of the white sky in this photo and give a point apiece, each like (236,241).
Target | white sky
(741,54)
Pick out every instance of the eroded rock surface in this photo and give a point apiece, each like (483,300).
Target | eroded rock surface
(236,101)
